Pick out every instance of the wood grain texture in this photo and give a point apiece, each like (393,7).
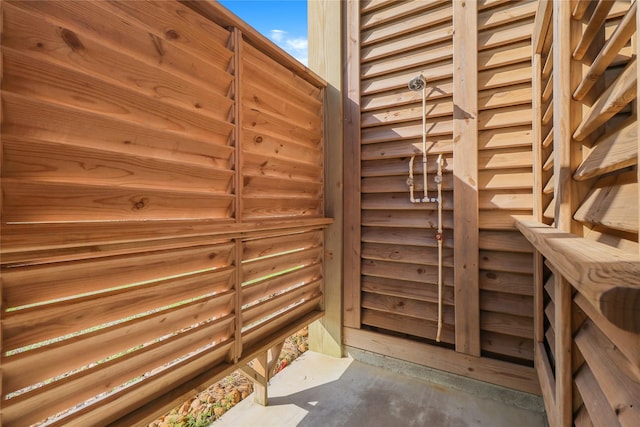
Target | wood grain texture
(613,373)
(566,117)
(621,92)
(465,135)
(541,25)
(606,56)
(612,203)
(563,349)
(481,368)
(596,20)
(547,382)
(628,343)
(606,276)
(121,167)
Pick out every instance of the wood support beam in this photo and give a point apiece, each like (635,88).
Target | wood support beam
(260,370)
(465,171)
(536,129)
(236,42)
(352,165)
(567,114)
(325,336)
(637,49)
(258,373)
(563,345)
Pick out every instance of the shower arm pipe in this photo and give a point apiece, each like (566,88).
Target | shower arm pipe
(424,141)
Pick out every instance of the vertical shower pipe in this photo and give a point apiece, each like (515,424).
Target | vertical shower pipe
(419,84)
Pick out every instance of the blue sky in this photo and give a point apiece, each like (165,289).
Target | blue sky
(282,21)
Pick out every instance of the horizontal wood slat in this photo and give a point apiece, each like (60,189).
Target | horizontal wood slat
(627,342)
(596,20)
(621,92)
(36,325)
(605,57)
(520,284)
(616,378)
(256,269)
(417,20)
(102,378)
(612,203)
(406,307)
(41,284)
(404,288)
(416,327)
(594,400)
(33,366)
(506,14)
(613,151)
(255,333)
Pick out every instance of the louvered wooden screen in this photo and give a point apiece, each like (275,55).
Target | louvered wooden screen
(399,256)
(505,179)
(588,295)
(162,202)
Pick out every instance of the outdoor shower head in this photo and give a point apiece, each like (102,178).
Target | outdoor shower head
(417,83)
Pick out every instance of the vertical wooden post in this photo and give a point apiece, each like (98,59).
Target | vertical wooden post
(536,130)
(1,216)
(465,172)
(261,366)
(636,43)
(566,114)
(237,298)
(236,37)
(325,335)
(237,166)
(538,279)
(352,165)
(563,337)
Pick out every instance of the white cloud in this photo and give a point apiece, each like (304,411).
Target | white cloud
(294,46)
(277,35)
(297,44)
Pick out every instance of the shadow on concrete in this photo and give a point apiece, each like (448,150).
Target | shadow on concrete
(318,390)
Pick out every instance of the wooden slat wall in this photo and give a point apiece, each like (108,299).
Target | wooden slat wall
(586,170)
(505,179)
(282,279)
(489,311)
(141,145)
(282,157)
(399,255)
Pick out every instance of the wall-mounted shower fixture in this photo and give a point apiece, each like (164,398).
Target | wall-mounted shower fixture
(417,83)
(420,84)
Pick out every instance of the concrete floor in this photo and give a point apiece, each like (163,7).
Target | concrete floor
(322,391)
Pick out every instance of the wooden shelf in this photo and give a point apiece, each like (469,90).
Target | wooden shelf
(608,277)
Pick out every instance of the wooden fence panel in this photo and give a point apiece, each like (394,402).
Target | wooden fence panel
(132,168)
(282,143)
